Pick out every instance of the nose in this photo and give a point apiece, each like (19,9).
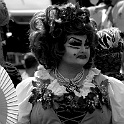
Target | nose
(82,49)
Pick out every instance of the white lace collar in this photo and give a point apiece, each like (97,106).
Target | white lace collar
(58,89)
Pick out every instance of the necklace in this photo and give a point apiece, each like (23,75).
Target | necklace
(74,81)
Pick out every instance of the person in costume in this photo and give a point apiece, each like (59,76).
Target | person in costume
(101,14)
(4,20)
(8,97)
(110,52)
(9,67)
(70,90)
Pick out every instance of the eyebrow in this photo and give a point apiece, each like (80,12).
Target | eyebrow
(76,39)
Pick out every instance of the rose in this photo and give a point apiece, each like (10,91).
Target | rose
(42,74)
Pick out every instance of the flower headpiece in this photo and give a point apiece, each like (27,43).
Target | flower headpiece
(70,18)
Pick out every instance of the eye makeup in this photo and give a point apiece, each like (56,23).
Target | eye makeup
(87,44)
(74,41)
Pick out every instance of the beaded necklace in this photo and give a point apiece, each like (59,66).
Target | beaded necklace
(74,81)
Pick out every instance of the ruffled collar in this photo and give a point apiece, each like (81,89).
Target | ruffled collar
(43,74)
(57,89)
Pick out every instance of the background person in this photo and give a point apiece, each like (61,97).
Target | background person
(4,20)
(118,14)
(109,57)
(13,72)
(9,67)
(8,97)
(30,64)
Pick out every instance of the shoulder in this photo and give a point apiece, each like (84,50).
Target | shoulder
(107,80)
(99,77)
(96,75)
(24,75)
(113,80)
(24,92)
(26,82)
(24,88)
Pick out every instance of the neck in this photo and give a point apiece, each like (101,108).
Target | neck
(30,72)
(69,70)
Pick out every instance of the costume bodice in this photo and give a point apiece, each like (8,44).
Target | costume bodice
(38,115)
(75,105)
(33,110)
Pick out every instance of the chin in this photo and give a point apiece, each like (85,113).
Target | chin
(77,62)
(82,62)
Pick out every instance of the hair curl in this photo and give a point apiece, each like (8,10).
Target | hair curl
(49,31)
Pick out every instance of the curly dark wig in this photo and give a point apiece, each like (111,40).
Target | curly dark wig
(49,31)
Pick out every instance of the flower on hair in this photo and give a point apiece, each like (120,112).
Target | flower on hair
(62,18)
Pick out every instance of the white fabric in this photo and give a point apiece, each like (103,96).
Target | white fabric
(116,93)
(24,75)
(23,91)
(95,14)
(105,22)
(100,16)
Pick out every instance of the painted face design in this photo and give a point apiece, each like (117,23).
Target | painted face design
(77,49)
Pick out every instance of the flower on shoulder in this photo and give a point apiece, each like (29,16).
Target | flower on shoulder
(56,88)
(42,74)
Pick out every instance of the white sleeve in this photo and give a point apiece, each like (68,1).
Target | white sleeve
(23,91)
(116,93)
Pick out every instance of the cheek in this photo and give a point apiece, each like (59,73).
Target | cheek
(73,52)
(88,51)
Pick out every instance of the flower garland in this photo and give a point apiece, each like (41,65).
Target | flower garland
(86,97)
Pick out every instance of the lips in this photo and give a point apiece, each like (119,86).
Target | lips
(82,56)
